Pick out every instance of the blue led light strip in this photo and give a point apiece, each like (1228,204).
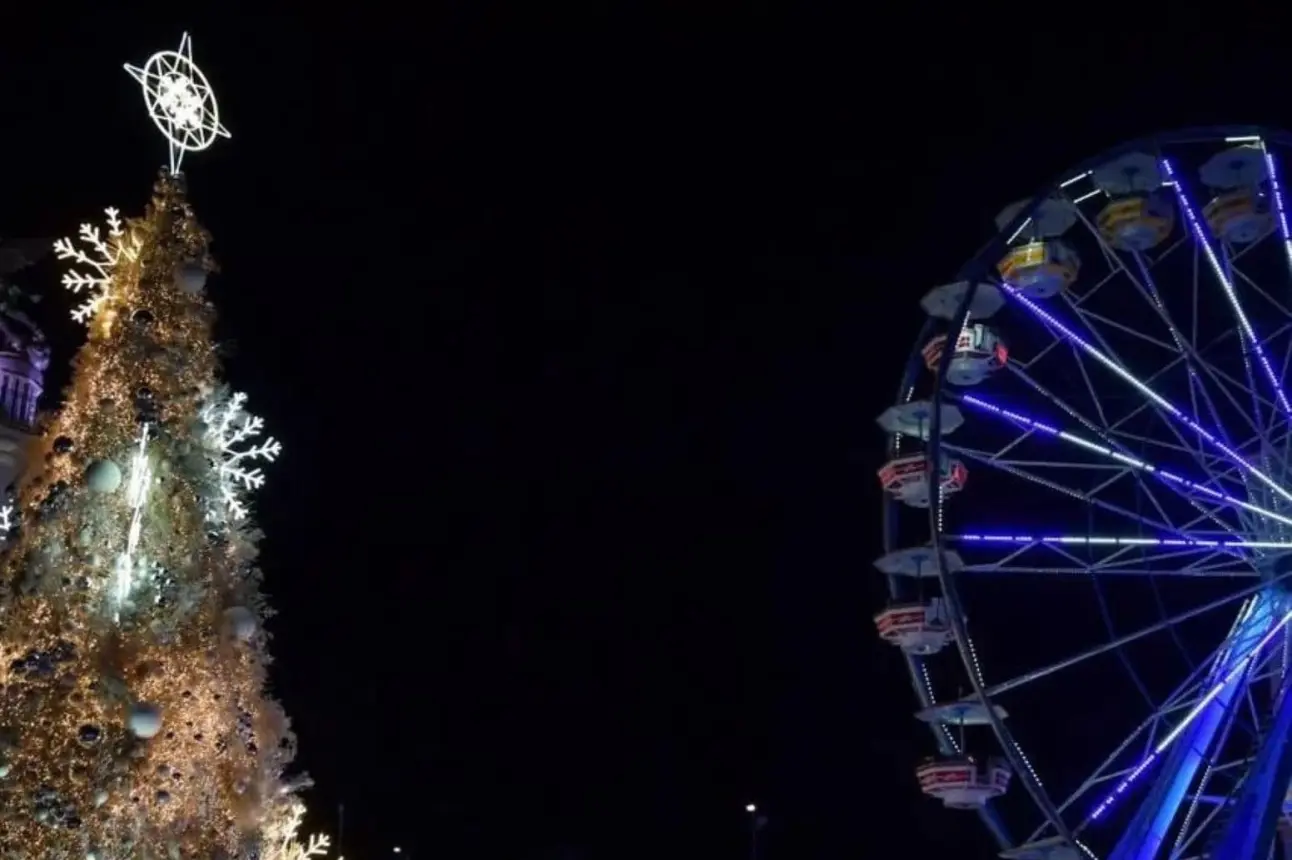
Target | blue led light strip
(1096,540)
(1241,666)
(1132,462)
(1280,212)
(1170,408)
(1200,234)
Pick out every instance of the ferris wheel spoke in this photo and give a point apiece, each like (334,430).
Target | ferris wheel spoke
(1146,442)
(1160,401)
(1086,495)
(1280,202)
(1162,554)
(1154,378)
(1095,320)
(1184,487)
(1223,383)
(1117,449)
(1192,742)
(995,690)
(1184,697)
(1287,365)
(1226,470)
(1141,278)
(1090,387)
(1196,365)
(1201,233)
(1192,828)
(1036,555)
(1115,571)
(1253,285)
(1151,404)
(1057,340)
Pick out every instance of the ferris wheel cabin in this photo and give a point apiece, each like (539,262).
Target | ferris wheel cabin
(907,478)
(961,782)
(978,353)
(916,628)
(1041,269)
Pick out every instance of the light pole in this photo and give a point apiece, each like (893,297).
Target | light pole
(753,830)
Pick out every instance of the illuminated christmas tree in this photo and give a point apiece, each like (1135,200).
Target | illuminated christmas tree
(134,721)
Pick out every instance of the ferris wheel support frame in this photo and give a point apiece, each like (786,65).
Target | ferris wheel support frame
(1148,829)
(1251,828)
(973,273)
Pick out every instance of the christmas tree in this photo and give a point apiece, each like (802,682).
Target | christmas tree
(134,717)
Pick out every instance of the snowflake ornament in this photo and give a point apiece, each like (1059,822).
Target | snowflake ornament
(232,435)
(6,520)
(316,846)
(281,841)
(102,254)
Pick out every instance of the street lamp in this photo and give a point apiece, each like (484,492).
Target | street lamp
(755,822)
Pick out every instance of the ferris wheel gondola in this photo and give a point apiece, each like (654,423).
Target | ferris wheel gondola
(1135,441)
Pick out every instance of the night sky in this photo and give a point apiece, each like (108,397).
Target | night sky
(574,330)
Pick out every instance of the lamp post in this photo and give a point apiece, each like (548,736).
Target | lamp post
(752,809)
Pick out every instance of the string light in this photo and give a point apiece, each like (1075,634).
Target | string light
(136,495)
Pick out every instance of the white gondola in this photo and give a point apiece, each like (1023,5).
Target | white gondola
(979,352)
(920,628)
(962,783)
(906,478)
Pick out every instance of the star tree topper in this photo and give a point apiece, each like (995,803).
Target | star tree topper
(180,101)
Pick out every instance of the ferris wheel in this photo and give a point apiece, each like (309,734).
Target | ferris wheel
(1088,515)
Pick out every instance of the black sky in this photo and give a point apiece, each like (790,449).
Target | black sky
(574,330)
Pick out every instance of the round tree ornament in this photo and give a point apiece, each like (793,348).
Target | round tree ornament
(240,623)
(191,278)
(145,720)
(103,476)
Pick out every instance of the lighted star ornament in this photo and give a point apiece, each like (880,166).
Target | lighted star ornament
(180,101)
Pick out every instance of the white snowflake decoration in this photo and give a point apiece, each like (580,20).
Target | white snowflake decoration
(281,841)
(102,254)
(6,520)
(231,434)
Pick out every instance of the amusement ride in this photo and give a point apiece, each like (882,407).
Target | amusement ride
(1088,511)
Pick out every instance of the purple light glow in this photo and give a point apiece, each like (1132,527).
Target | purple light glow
(1200,234)
(1175,412)
(1094,540)
(1133,462)
(1280,213)
(1240,667)
(1277,188)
